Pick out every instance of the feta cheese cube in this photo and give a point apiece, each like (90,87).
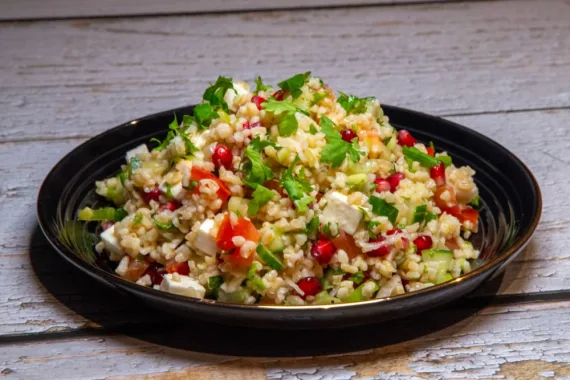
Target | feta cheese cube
(176,190)
(141,149)
(339,211)
(203,241)
(182,285)
(111,242)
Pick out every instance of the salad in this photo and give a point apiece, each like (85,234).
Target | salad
(287,195)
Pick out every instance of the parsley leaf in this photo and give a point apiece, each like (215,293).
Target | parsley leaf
(288,125)
(187,120)
(296,188)
(260,86)
(312,228)
(313,130)
(336,148)
(204,114)
(261,196)
(357,277)
(383,208)
(215,93)
(318,96)
(278,107)
(416,155)
(293,85)
(256,172)
(353,104)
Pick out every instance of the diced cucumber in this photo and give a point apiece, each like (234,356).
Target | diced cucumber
(324,298)
(357,294)
(357,179)
(269,258)
(442,277)
(238,296)
(437,255)
(277,245)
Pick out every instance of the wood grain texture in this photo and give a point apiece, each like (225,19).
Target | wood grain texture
(516,341)
(37,294)
(34,9)
(76,78)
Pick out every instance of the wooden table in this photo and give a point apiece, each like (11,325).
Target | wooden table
(499,67)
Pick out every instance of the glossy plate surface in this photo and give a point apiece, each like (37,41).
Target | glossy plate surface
(510,212)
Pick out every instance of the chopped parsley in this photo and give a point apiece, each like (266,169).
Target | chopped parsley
(370,226)
(447,161)
(260,86)
(215,93)
(353,104)
(318,96)
(164,226)
(330,230)
(424,159)
(175,130)
(288,124)
(336,148)
(293,85)
(420,214)
(382,208)
(187,120)
(278,107)
(137,219)
(313,130)
(204,114)
(261,196)
(312,228)
(296,188)
(357,277)
(256,172)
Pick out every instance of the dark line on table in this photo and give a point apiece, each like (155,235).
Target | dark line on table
(252,10)
(45,138)
(138,327)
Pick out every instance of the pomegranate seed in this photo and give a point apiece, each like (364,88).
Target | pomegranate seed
(348,135)
(382,184)
(423,242)
(323,251)
(430,151)
(405,138)
(437,173)
(170,205)
(258,100)
(394,180)
(156,273)
(310,286)
(405,241)
(381,251)
(222,156)
(279,95)
(152,195)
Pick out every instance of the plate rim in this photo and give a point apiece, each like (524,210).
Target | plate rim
(119,283)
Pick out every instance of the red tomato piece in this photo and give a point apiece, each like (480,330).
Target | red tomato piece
(236,259)
(226,232)
(450,206)
(225,235)
(198,174)
(469,214)
(346,242)
(430,151)
(246,229)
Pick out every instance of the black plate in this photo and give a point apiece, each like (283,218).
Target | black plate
(510,212)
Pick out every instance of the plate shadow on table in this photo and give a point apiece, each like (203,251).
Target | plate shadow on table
(121,315)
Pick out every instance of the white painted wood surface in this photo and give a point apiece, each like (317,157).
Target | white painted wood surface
(37,9)
(85,76)
(498,68)
(514,342)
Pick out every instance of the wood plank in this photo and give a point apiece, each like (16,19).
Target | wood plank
(38,9)
(468,342)
(76,78)
(37,296)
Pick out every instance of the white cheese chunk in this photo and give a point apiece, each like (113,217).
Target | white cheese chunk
(182,285)
(339,211)
(141,149)
(176,190)
(111,242)
(203,241)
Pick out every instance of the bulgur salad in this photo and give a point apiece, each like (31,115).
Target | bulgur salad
(290,196)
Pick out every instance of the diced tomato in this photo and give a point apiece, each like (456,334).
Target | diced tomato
(226,232)
(236,259)
(198,174)
(346,242)
(452,244)
(180,268)
(430,151)
(450,206)
(469,214)
(280,95)
(437,173)
(258,101)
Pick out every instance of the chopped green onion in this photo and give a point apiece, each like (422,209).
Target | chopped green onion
(105,213)
(357,277)
(383,208)
(164,226)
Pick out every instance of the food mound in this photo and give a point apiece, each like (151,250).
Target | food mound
(287,196)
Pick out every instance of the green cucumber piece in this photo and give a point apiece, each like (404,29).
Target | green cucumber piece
(357,179)
(437,255)
(269,258)
(238,296)
(324,298)
(357,294)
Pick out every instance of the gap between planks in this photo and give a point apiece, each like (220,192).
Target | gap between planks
(297,8)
